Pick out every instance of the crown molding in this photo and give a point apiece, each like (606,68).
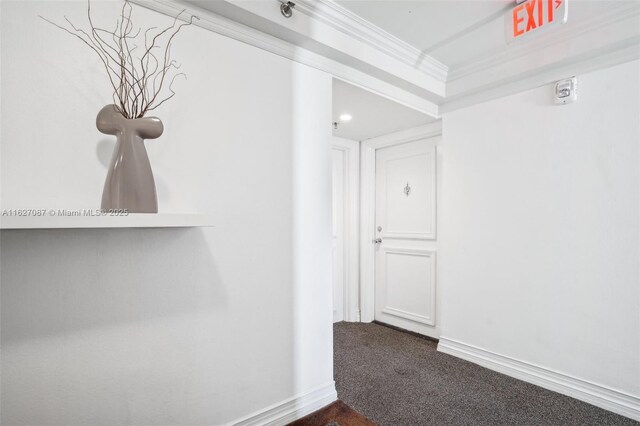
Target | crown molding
(536,45)
(401,72)
(349,23)
(609,56)
(321,29)
(229,28)
(587,45)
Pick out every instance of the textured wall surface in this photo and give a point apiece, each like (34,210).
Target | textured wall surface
(164,326)
(541,228)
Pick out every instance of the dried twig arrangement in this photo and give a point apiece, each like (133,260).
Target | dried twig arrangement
(139,82)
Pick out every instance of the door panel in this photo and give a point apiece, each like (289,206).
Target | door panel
(405,191)
(405,288)
(409,284)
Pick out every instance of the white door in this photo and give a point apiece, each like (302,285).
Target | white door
(339,169)
(405,272)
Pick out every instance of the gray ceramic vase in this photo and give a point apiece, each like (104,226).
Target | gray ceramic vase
(129,183)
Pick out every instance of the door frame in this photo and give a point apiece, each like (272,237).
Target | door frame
(351,291)
(368,150)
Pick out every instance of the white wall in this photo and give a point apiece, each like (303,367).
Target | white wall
(199,326)
(540,229)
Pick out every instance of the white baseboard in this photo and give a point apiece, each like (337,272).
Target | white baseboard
(600,396)
(291,409)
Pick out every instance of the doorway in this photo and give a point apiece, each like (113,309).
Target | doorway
(396,148)
(399,274)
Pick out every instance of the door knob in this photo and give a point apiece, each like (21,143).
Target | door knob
(377,240)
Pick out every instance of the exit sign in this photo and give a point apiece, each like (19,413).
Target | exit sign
(533,17)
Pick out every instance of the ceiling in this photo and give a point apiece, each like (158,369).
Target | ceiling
(373,115)
(429,24)
(456,32)
(435,56)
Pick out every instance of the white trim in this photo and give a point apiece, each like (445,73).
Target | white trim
(318,28)
(410,251)
(404,136)
(251,36)
(367,231)
(431,254)
(351,150)
(358,28)
(598,395)
(595,23)
(403,76)
(408,316)
(291,409)
(368,206)
(596,60)
(425,236)
(571,50)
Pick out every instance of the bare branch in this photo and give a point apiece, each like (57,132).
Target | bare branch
(167,67)
(138,82)
(170,89)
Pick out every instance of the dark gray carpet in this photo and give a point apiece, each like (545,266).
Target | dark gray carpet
(398,379)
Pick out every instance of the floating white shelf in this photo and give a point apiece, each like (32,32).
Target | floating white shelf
(133,220)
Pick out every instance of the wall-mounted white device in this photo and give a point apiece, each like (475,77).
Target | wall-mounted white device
(565,91)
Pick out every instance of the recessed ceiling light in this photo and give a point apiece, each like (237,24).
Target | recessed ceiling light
(345,117)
